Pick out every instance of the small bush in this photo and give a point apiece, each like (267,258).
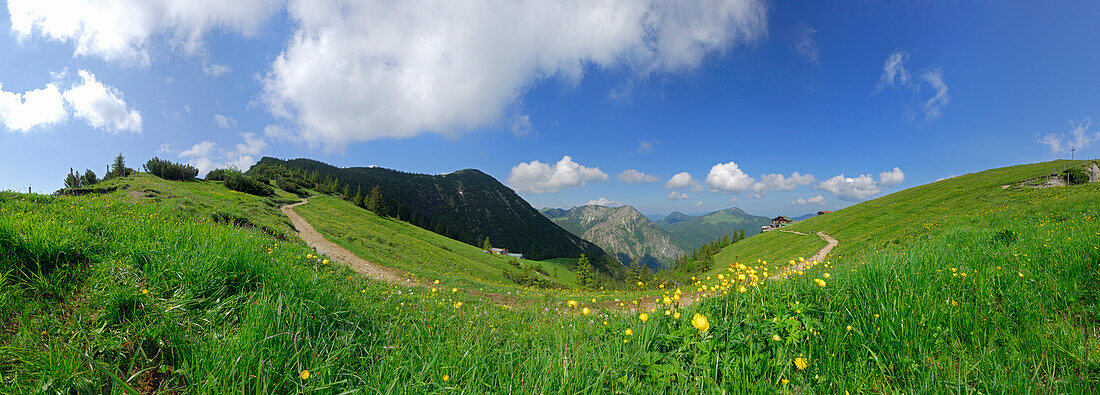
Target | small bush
(217,175)
(171,170)
(250,185)
(1076,176)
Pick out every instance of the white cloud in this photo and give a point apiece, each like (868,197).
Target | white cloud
(224,121)
(22,112)
(123,30)
(680,180)
(932,106)
(1078,137)
(356,71)
(893,71)
(849,188)
(101,106)
(891,178)
(206,155)
(699,203)
(776,182)
(644,147)
(729,177)
(603,202)
(216,70)
(807,46)
(674,195)
(894,75)
(538,177)
(944,178)
(816,200)
(521,125)
(631,176)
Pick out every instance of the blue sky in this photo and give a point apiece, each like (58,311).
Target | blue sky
(733,92)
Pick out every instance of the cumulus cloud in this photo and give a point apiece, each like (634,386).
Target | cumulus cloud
(631,176)
(538,177)
(123,30)
(939,100)
(891,177)
(851,189)
(807,45)
(893,71)
(603,202)
(1077,137)
(674,195)
(777,182)
(101,106)
(356,71)
(225,121)
(816,200)
(22,112)
(729,177)
(206,155)
(681,180)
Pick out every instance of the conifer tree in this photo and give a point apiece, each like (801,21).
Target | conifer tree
(585,279)
(375,201)
(486,245)
(358,199)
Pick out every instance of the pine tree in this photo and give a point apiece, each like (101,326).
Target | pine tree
(119,169)
(347,191)
(585,279)
(486,245)
(375,201)
(358,199)
(742,235)
(72,181)
(89,177)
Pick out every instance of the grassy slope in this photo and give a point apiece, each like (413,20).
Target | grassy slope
(775,248)
(898,218)
(233,310)
(211,197)
(428,255)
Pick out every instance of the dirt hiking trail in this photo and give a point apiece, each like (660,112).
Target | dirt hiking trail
(314,239)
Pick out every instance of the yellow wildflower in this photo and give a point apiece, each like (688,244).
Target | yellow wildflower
(644,317)
(801,363)
(628,332)
(304,374)
(699,321)
(585,311)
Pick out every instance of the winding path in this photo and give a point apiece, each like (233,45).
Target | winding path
(819,257)
(314,239)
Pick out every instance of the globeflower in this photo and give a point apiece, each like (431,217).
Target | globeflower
(676,315)
(700,322)
(304,374)
(628,332)
(644,317)
(571,303)
(820,282)
(585,311)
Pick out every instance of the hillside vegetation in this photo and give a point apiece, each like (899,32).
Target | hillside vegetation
(690,232)
(997,294)
(466,205)
(427,255)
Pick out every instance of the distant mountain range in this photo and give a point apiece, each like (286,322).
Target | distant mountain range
(621,231)
(466,205)
(689,232)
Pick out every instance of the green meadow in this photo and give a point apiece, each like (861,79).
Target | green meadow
(958,286)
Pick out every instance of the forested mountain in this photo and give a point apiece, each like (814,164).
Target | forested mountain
(466,205)
(622,231)
(690,232)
